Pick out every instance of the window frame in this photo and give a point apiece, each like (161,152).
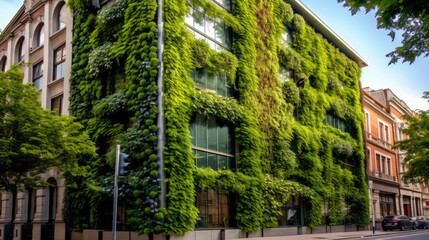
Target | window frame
(382,133)
(204,204)
(58,26)
(3,62)
(19,54)
(230,144)
(61,48)
(228,90)
(386,169)
(336,122)
(40,34)
(367,121)
(40,76)
(226,29)
(60,98)
(369,155)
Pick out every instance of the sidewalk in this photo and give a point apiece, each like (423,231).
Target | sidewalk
(338,235)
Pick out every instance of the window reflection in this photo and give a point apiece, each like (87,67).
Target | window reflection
(38,75)
(216,83)
(213,210)
(291,213)
(214,32)
(213,144)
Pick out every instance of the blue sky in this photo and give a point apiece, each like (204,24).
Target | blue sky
(8,8)
(408,82)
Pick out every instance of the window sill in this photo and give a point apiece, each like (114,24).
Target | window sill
(58,32)
(56,81)
(212,151)
(36,49)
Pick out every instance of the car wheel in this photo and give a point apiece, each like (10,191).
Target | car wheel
(414,226)
(384,229)
(402,227)
(425,226)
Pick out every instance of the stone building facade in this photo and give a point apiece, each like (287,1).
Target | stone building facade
(383,127)
(40,34)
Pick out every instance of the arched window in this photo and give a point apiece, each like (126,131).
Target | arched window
(59,17)
(3,64)
(20,50)
(40,35)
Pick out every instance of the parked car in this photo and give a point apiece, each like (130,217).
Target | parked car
(421,222)
(397,222)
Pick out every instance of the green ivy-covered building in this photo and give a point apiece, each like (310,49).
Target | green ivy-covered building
(258,123)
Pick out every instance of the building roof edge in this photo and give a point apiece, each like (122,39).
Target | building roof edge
(320,26)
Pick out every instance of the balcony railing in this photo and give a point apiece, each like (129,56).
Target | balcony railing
(371,137)
(383,176)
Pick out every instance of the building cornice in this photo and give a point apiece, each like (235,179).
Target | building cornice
(8,31)
(401,106)
(377,107)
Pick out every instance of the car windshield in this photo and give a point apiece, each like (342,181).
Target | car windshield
(389,217)
(415,218)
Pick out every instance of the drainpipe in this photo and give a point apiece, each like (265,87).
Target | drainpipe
(160,121)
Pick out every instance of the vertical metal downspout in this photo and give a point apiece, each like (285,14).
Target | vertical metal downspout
(160,121)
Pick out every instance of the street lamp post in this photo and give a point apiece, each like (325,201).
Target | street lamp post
(372,207)
(115,192)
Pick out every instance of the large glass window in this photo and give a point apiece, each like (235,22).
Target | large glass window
(212,144)
(336,122)
(291,212)
(217,83)
(224,3)
(287,37)
(59,62)
(214,32)
(38,75)
(387,205)
(213,210)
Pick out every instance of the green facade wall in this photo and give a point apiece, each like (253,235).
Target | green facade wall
(285,146)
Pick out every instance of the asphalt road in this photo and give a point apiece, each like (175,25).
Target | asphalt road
(407,235)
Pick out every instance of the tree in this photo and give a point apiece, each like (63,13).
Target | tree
(33,139)
(409,16)
(417,146)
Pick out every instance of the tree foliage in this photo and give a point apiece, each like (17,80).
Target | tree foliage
(408,16)
(33,139)
(417,146)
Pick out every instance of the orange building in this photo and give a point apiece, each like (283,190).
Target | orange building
(383,127)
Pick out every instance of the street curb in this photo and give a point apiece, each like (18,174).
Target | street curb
(367,236)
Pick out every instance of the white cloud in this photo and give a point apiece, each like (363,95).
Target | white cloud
(8,9)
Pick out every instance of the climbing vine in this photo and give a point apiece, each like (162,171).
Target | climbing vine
(285,149)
